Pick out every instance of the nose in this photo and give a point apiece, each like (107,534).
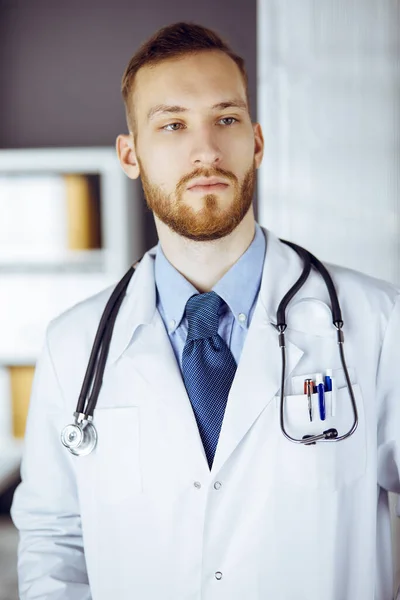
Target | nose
(205,150)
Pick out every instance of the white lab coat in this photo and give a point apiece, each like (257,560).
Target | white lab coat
(143,518)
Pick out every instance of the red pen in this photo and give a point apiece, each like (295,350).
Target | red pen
(308,389)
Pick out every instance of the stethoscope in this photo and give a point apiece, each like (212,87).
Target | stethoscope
(80,437)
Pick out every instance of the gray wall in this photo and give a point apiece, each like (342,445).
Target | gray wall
(61,62)
(61,65)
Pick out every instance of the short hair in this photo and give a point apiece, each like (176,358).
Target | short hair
(174,41)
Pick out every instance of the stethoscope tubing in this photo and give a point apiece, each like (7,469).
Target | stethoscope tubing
(94,374)
(331,434)
(309,259)
(95,370)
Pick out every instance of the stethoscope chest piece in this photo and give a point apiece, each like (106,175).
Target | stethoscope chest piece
(79,440)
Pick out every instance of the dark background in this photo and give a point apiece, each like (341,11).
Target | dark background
(61,63)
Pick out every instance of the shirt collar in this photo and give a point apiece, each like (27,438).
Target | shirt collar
(238,287)
(173,290)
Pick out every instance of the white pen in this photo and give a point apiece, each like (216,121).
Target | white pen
(330,387)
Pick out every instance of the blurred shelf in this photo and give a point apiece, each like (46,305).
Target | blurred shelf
(62,160)
(17,360)
(68,261)
(46,273)
(32,301)
(37,288)
(121,227)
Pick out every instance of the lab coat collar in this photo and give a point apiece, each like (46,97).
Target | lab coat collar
(138,307)
(260,365)
(309,311)
(282,267)
(260,362)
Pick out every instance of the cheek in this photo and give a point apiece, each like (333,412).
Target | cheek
(157,167)
(165,163)
(244,146)
(239,150)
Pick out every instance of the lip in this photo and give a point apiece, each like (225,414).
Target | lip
(207,189)
(207,183)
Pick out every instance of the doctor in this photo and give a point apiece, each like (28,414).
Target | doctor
(192,492)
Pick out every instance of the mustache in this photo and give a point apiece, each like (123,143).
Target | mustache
(202,172)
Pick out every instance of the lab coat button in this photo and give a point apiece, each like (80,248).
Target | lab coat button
(218,575)
(197,484)
(217,485)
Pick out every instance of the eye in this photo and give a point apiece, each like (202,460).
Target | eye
(172,127)
(228,120)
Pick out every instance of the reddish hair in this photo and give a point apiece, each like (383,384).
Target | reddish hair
(174,41)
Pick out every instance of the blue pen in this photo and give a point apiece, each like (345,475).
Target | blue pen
(328,380)
(321,395)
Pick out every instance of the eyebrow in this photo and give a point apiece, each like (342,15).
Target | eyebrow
(161,109)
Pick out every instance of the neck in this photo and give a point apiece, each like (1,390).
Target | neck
(204,263)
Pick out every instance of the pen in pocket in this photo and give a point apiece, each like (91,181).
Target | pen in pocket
(330,387)
(308,389)
(321,396)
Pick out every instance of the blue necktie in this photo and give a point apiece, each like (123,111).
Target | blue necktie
(208,368)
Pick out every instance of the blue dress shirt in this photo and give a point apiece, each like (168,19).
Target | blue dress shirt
(239,288)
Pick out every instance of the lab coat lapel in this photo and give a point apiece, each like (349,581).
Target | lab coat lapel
(156,364)
(150,354)
(257,378)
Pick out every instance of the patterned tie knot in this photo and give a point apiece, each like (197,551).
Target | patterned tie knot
(202,311)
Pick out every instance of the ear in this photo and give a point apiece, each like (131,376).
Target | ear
(127,156)
(258,144)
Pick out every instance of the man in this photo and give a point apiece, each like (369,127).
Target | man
(192,491)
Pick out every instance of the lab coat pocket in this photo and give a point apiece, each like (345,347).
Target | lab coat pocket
(327,464)
(112,471)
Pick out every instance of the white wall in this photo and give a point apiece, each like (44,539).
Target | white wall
(329,104)
(328,101)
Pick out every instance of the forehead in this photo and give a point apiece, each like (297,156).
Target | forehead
(196,80)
